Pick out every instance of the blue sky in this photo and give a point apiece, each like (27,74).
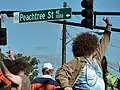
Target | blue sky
(43,39)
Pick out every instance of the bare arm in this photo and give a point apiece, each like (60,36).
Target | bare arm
(14,78)
(104,41)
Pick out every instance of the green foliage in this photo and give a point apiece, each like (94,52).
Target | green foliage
(32,65)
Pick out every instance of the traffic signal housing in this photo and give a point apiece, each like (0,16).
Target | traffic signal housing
(3,36)
(87,13)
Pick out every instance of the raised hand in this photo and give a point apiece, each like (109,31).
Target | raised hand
(107,21)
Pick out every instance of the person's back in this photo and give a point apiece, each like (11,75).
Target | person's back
(44,84)
(26,84)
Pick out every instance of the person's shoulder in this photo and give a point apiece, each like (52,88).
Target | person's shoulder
(53,82)
(73,60)
(76,60)
(23,76)
(36,80)
(46,81)
(25,79)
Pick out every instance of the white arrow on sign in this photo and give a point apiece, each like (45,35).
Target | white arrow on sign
(68,15)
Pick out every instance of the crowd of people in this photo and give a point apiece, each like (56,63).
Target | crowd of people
(87,71)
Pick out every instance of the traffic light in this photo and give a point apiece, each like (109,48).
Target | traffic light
(87,13)
(3,36)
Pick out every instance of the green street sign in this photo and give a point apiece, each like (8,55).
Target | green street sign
(42,15)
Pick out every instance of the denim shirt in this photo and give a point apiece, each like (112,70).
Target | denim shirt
(91,78)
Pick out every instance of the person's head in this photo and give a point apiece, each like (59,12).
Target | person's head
(8,63)
(16,66)
(47,69)
(84,44)
(20,65)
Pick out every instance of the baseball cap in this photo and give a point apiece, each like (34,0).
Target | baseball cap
(47,65)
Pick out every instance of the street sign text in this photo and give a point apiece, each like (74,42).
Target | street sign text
(42,15)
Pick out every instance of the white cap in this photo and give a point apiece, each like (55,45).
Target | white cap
(47,65)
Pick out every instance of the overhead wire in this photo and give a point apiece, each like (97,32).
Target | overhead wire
(69,34)
(114,46)
(113,68)
(57,46)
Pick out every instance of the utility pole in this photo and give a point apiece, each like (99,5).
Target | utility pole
(64,39)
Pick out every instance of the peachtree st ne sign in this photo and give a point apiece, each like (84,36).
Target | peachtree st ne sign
(42,15)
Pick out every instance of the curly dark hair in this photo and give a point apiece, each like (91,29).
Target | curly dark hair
(84,44)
